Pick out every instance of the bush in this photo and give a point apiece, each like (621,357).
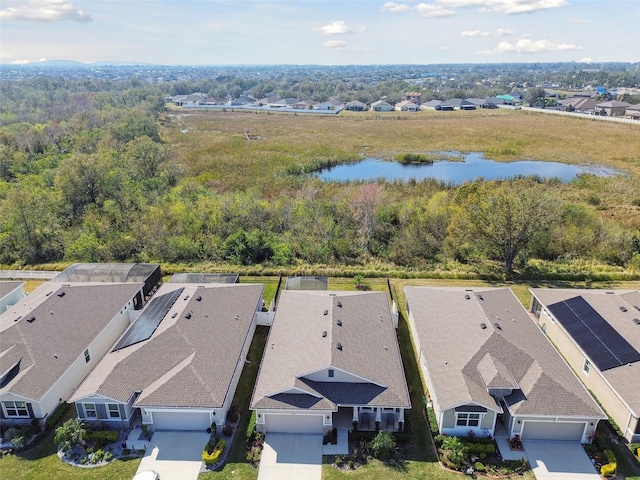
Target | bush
(57,414)
(212,457)
(251,428)
(103,436)
(609,456)
(479,467)
(126,451)
(108,456)
(433,425)
(608,469)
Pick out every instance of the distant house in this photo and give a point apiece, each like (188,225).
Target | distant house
(613,108)
(284,102)
(381,106)
(413,97)
(355,106)
(489,369)
(329,105)
(332,358)
(242,100)
(431,105)
(579,104)
(457,104)
(10,294)
(481,103)
(407,106)
(268,100)
(304,105)
(214,101)
(189,100)
(598,334)
(586,94)
(178,365)
(633,111)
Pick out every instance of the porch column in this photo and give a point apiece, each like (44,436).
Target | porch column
(401,415)
(379,414)
(355,417)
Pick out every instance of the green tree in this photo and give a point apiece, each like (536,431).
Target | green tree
(457,450)
(506,218)
(535,97)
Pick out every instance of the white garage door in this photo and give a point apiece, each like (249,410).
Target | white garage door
(553,431)
(180,420)
(283,423)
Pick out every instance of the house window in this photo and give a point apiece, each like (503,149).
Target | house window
(331,373)
(87,357)
(586,368)
(90,410)
(467,419)
(114,410)
(16,409)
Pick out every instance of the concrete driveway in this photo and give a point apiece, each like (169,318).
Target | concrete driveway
(175,455)
(291,456)
(559,460)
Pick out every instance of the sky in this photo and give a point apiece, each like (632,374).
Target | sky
(326,32)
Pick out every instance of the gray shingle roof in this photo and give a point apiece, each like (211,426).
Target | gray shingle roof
(187,362)
(297,346)
(63,328)
(462,356)
(624,379)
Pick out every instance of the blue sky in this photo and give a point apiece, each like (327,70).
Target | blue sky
(213,32)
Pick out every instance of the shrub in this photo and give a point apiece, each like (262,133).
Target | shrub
(212,457)
(383,445)
(457,450)
(227,430)
(251,428)
(609,456)
(108,456)
(339,460)
(126,451)
(433,425)
(479,467)
(57,414)
(608,469)
(103,436)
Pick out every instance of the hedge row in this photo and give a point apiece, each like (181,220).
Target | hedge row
(106,436)
(57,414)
(608,469)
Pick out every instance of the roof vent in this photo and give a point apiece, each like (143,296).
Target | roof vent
(636,321)
(175,314)
(198,298)
(339,346)
(339,304)
(186,298)
(16,319)
(623,309)
(609,293)
(188,315)
(339,322)
(62,294)
(468,297)
(324,333)
(31,319)
(49,293)
(636,307)
(236,317)
(326,312)
(483,325)
(55,355)
(480,297)
(497,325)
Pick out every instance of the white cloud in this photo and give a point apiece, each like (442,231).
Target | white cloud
(21,62)
(527,45)
(395,7)
(335,44)
(586,60)
(501,32)
(338,28)
(430,10)
(45,11)
(509,7)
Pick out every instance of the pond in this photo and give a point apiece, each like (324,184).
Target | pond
(464,168)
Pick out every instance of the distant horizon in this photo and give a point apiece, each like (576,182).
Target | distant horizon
(141,63)
(319,32)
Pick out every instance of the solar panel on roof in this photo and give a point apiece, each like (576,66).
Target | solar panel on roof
(149,319)
(600,341)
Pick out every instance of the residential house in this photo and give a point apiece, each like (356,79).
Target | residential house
(356,106)
(10,294)
(189,100)
(330,105)
(407,106)
(332,358)
(268,100)
(633,111)
(481,103)
(214,101)
(598,333)
(284,102)
(53,338)
(579,104)
(613,108)
(242,100)
(381,106)
(489,368)
(413,97)
(178,365)
(304,105)
(431,105)
(457,104)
